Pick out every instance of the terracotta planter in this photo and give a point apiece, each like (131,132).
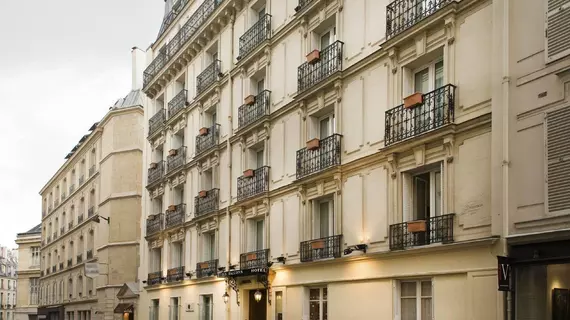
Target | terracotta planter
(417,226)
(249,100)
(204,265)
(251,256)
(171,207)
(203,194)
(313,144)
(320,244)
(248,173)
(204,131)
(172,152)
(153,165)
(314,56)
(413,100)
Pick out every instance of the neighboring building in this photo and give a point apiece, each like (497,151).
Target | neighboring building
(90,215)
(28,273)
(329,159)
(535,150)
(8,283)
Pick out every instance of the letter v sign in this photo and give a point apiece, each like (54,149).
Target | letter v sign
(504,273)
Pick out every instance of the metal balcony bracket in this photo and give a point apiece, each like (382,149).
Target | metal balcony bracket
(232,283)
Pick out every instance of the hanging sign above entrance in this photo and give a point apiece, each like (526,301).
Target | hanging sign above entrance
(504,273)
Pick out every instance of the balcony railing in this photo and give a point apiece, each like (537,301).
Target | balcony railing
(423,232)
(80,218)
(154,278)
(90,212)
(206,202)
(61,266)
(171,16)
(249,113)
(92,171)
(207,77)
(255,259)
(175,274)
(329,62)
(69,262)
(324,156)
(176,160)
(208,140)
(70,225)
(156,122)
(48,239)
(254,36)
(89,254)
(436,110)
(154,224)
(71,188)
(302,4)
(253,183)
(206,268)
(62,230)
(178,103)
(155,172)
(176,217)
(80,258)
(81,180)
(403,14)
(53,269)
(318,249)
(189,28)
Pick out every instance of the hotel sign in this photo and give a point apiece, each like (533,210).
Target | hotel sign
(504,273)
(243,273)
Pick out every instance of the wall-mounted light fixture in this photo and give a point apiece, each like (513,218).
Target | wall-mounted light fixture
(98,217)
(359,247)
(226,297)
(281,259)
(257,295)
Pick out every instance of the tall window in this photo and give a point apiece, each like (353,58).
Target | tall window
(318,304)
(34,289)
(176,254)
(256,235)
(156,260)
(422,194)
(209,246)
(206,307)
(323,218)
(174,312)
(153,310)
(416,300)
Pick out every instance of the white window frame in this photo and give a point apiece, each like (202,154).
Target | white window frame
(321,300)
(316,217)
(253,237)
(331,126)
(208,246)
(409,197)
(178,255)
(332,36)
(203,305)
(431,74)
(174,315)
(397,288)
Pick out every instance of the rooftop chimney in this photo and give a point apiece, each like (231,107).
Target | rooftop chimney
(138,65)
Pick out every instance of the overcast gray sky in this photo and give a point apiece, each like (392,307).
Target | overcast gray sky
(63,63)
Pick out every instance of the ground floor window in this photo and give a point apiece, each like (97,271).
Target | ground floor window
(318,304)
(206,307)
(416,300)
(153,309)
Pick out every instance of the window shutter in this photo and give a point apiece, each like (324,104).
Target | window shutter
(558,159)
(557,29)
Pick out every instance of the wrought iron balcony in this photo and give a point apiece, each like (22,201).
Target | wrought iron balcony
(71,188)
(92,171)
(80,258)
(61,266)
(171,16)
(178,103)
(302,4)
(319,156)
(249,113)
(404,14)
(186,32)
(422,232)
(154,278)
(209,76)
(319,249)
(437,109)
(80,218)
(70,225)
(89,254)
(155,172)
(329,61)
(176,217)
(255,259)
(53,269)
(206,268)
(252,183)
(254,36)
(156,122)
(54,235)
(154,224)
(206,202)
(175,274)
(47,271)
(209,139)
(62,230)
(90,212)
(176,159)
(48,239)
(69,262)
(81,179)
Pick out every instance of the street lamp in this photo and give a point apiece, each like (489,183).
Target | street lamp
(257,295)
(226,297)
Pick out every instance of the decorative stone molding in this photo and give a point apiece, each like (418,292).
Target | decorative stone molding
(176,236)
(448,144)
(393,165)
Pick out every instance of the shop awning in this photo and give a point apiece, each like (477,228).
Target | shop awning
(124,307)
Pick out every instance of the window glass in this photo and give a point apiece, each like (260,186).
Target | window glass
(259,234)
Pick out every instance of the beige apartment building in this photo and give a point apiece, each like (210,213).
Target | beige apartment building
(90,215)
(8,282)
(29,247)
(312,159)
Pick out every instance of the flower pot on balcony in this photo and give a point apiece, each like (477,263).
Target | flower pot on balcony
(248,173)
(251,256)
(417,226)
(319,244)
(313,144)
(171,207)
(314,56)
(153,165)
(249,100)
(203,194)
(204,265)
(204,131)
(172,152)
(413,100)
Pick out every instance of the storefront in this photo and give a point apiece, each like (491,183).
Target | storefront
(540,280)
(51,313)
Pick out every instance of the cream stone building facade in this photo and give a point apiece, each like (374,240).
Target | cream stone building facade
(29,246)
(312,159)
(90,215)
(8,282)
